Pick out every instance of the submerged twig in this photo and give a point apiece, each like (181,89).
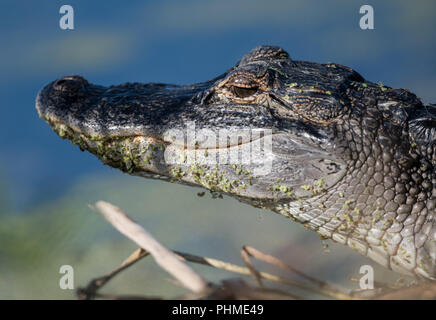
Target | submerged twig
(325,287)
(172,262)
(96,284)
(164,257)
(246,258)
(337,294)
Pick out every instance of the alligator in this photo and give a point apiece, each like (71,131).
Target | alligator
(350,159)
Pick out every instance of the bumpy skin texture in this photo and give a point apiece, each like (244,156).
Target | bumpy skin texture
(350,159)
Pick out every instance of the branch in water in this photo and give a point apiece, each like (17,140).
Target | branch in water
(164,257)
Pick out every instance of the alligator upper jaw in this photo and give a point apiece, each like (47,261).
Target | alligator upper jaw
(123,110)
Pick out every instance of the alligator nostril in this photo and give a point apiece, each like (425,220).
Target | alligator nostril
(60,82)
(70,85)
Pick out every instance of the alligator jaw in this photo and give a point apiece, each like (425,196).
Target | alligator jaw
(256,181)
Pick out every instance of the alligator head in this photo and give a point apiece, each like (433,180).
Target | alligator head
(350,159)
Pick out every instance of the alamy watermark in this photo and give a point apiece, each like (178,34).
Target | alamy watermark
(366,22)
(66,22)
(226,146)
(366,282)
(66,282)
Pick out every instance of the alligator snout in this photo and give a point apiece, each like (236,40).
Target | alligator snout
(71,97)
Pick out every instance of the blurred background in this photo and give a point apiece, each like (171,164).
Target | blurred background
(46,184)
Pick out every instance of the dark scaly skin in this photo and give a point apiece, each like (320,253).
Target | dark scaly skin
(351,159)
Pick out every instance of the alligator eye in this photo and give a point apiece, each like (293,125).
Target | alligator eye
(243,92)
